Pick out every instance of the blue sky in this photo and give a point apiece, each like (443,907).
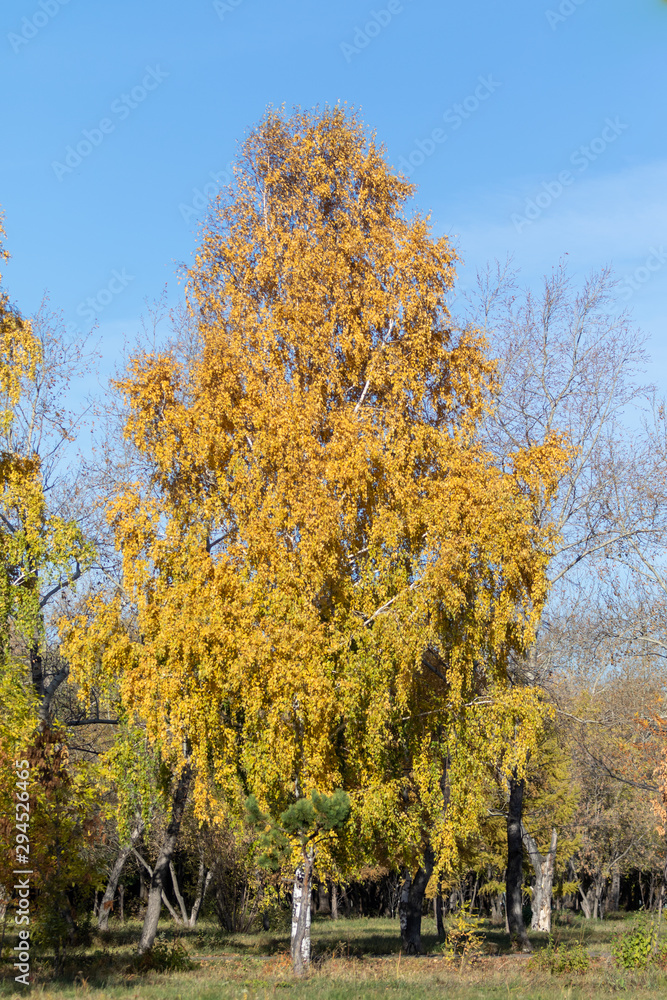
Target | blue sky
(549,121)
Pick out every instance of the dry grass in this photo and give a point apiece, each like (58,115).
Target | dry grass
(352,958)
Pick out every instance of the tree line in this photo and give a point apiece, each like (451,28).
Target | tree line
(360,599)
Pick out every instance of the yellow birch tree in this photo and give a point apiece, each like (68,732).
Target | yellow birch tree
(324,564)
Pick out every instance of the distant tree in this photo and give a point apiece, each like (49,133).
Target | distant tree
(570,362)
(42,552)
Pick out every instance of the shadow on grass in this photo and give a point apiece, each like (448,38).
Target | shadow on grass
(107,963)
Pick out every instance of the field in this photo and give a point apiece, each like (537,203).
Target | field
(351,958)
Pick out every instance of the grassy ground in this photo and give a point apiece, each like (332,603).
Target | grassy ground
(352,958)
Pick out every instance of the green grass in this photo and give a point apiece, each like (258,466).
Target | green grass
(352,958)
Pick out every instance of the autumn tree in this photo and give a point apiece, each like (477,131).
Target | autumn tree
(326,566)
(607,692)
(42,552)
(569,362)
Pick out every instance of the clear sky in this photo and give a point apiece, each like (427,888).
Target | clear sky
(536,127)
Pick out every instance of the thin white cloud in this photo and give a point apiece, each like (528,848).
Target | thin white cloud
(614,218)
(617,218)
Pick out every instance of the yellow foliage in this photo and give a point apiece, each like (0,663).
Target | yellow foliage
(320,513)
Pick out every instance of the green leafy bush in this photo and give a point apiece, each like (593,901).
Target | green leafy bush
(635,948)
(560,959)
(163,958)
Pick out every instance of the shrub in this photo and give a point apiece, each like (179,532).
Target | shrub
(463,939)
(635,948)
(163,958)
(561,959)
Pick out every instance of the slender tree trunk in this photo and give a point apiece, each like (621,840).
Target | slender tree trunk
(334,901)
(177,893)
(474,892)
(166,902)
(301,903)
(587,899)
(544,866)
(106,905)
(152,917)
(615,891)
(514,874)
(203,881)
(439,922)
(121,903)
(411,903)
(599,892)
(663,889)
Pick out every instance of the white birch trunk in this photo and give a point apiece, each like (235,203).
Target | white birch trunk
(543,866)
(301,904)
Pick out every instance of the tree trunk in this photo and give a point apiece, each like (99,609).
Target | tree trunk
(334,901)
(514,874)
(106,905)
(615,891)
(152,917)
(411,903)
(544,866)
(203,881)
(474,893)
(439,922)
(177,893)
(121,902)
(587,901)
(301,902)
(497,910)
(599,891)
(323,899)
(166,902)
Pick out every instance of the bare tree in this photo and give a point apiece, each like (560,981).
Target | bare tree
(568,366)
